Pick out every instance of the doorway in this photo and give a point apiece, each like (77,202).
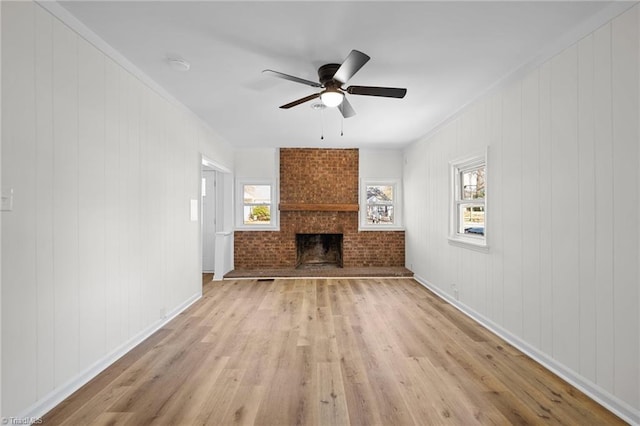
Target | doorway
(216,226)
(208,219)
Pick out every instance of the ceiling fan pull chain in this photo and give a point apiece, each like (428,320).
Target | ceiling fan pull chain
(342,126)
(322,124)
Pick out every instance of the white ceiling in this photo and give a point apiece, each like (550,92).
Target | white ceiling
(445,53)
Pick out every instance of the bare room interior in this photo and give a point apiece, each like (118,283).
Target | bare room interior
(320,212)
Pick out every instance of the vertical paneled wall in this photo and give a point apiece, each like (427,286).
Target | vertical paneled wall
(562,271)
(1,188)
(99,245)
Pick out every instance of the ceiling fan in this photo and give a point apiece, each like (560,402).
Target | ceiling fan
(332,77)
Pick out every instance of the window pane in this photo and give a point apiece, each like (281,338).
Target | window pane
(257,215)
(257,194)
(380,194)
(257,204)
(472,184)
(380,204)
(471,219)
(377,213)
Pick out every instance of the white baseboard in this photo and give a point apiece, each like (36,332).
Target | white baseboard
(59,394)
(622,409)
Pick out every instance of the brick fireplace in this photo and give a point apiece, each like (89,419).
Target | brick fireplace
(318,195)
(318,250)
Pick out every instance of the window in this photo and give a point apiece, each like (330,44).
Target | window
(379,205)
(257,204)
(257,209)
(468,201)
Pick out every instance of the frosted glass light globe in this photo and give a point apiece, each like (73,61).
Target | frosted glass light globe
(331,98)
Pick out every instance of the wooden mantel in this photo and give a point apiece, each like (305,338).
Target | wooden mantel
(297,207)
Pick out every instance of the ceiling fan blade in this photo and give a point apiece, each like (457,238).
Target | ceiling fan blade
(300,101)
(350,66)
(346,109)
(292,78)
(387,92)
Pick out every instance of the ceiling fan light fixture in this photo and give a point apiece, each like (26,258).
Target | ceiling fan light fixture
(331,97)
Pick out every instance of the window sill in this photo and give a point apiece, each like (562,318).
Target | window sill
(470,243)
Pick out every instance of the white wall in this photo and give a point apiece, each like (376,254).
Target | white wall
(263,163)
(561,277)
(1,187)
(380,164)
(99,246)
(257,163)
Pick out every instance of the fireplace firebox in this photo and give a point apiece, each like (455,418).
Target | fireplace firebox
(319,250)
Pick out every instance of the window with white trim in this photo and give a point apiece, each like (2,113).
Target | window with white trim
(469,201)
(380,205)
(257,205)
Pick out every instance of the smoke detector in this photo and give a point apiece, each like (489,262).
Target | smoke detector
(179,64)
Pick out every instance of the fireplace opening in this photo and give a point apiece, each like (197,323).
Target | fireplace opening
(319,250)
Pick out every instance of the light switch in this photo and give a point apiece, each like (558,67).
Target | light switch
(194,210)
(7,200)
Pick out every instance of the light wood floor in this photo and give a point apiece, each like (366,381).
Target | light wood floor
(325,352)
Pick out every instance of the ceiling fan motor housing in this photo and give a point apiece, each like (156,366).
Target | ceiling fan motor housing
(326,73)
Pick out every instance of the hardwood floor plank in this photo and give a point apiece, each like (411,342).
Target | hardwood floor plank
(95,408)
(219,398)
(325,352)
(325,341)
(149,397)
(186,404)
(331,395)
(361,401)
(243,410)
(110,419)
(389,402)
(445,397)
(290,397)
(307,319)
